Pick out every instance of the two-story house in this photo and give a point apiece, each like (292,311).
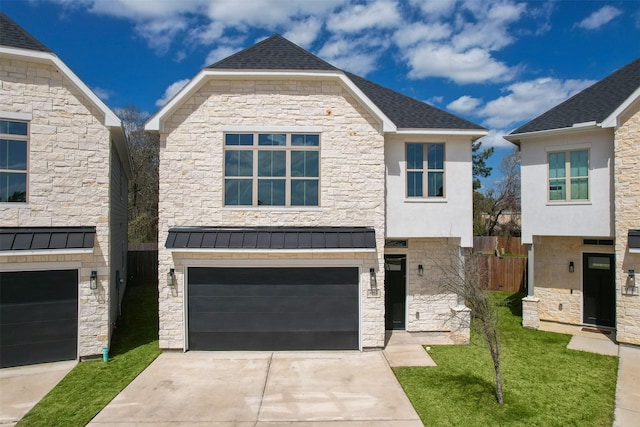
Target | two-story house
(580,207)
(64,169)
(304,207)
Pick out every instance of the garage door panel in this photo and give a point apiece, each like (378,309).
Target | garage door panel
(276,304)
(274,276)
(328,340)
(20,313)
(273,308)
(218,290)
(265,322)
(38,316)
(38,352)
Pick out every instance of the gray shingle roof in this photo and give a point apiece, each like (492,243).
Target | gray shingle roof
(13,35)
(278,53)
(594,103)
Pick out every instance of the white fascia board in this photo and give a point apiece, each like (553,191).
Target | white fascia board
(47,252)
(520,136)
(454,132)
(271,251)
(634,250)
(110,118)
(156,122)
(612,120)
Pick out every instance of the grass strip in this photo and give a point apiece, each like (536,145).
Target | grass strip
(545,384)
(91,385)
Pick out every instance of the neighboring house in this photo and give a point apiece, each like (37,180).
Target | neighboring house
(580,200)
(304,207)
(64,169)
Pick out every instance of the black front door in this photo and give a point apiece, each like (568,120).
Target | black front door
(599,289)
(395,273)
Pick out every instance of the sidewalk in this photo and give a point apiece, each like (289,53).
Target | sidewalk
(627,413)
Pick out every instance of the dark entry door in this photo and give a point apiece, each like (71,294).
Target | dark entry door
(395,274)
(38,316)
(273,308)
(599,289)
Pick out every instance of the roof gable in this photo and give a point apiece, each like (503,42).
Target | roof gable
(278,53)
(594,104)
(273,53)
(13,35)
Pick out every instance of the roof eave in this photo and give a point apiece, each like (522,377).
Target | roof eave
(474,133)
(110,118)
(613,120)
(577,127)
(157,120)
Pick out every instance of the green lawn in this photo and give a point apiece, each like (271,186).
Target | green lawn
(544,383)
(91,385)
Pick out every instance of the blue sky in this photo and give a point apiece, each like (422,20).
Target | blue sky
(496,63)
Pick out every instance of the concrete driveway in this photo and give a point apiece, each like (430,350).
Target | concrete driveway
(263,389)
(24,386)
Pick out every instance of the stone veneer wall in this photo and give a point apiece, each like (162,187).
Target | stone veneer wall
(559,291)
(627,208)
(191,174)
(429,309)
(68,180)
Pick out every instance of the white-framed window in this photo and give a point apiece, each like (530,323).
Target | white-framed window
(425,170)
(271,169)
(568,175)
(14,154)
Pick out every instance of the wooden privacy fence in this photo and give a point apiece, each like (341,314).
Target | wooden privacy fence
(503,245)
(142,264)
(504,274)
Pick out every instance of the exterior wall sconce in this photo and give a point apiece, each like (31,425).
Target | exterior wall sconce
(171,278)
(632,278)
(374,281)
(420,270)
(93,280)
(571,267)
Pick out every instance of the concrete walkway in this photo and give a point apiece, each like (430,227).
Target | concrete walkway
(627,412)
(347,388)
(24,386)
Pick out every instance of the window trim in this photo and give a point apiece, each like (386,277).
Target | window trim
(288,148)
(425,172)
(568,178)
(22,118)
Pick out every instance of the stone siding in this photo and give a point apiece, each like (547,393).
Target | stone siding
(560,291)
(429,307)
(627,203)
(352,176)
(68,180)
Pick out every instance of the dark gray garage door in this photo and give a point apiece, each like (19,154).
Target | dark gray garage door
(273,308)
(38,316)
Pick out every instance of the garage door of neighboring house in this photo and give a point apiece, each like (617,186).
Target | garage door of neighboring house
(38,316)
(273,308)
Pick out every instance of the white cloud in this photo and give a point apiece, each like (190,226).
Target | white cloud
(357,17)
(171,91)
(102,93)
(472,66)
(418,32)
(160,33)
(351,55)
(435,100)
(305,32)
(464,105)
(219,53)
(600,17)
(495,138)
(207,34)
(529,99)
(434,8)
(491,27)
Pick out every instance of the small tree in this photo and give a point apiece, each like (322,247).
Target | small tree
(480,168)
(466,278)
(504,197)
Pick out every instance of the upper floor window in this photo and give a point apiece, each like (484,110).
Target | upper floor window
(280,169)
(425,170)
(14,141)
(569,175)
